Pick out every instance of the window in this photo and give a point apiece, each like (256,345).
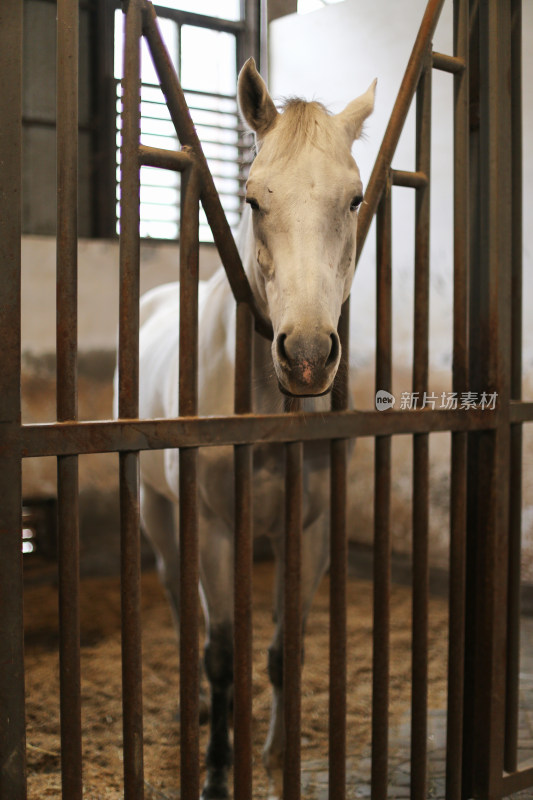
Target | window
(206,52)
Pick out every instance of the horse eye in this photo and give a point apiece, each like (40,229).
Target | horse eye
(253,203)
(356,202)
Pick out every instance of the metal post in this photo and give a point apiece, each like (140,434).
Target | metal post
(67,394)
(128,372)
(292,618)
(456,638)
(515,476)
(12,710)
(338,574)
(188,460)
(382,487)
(242,738)
(421,446)
(490,349)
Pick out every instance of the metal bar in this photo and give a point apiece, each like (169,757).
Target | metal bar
(69,625)
(453,64)
(421,447)
(476,382)
(515,477)
(292,619)
(128,379)
(12,700)
(199,20)
(177,160)
(128,355)
(494,331)
(67,438)
(412,180)
(380,172)
(67,356)
(340,400)
(521,412)
(189,645)
(242,736)
(188,460)
(67,207)
(516,782)
(210,200)
(131,626)
(189,249)
(382,488)
(458,497)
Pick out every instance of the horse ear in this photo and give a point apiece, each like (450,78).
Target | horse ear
(355,113)
(255,103)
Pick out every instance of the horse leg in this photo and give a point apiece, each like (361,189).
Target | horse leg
(216,564)
(315,558)
(159,524)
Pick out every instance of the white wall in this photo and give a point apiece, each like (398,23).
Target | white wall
(332,55)
(98,288)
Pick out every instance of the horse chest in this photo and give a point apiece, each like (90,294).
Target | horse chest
(217,486)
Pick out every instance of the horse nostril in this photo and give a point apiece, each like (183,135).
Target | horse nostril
(334,351)
(280,347)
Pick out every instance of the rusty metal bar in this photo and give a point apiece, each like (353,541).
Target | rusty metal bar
(131,626)
(66,438)
(292,619)
(67,395)
(12,700)
(515,476)
(494,331)
(176,160)
(382,488)
(128,351)
(521,411)
(187,135)
(188,459)
(421,447)
(453,64)
(242,735)
(516,782)
(380,172)
(128,379)
(458,497)
(338,574)
(412,180)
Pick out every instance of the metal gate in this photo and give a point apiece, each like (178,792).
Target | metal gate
(485,504)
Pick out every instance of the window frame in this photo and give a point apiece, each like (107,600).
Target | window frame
(249,36)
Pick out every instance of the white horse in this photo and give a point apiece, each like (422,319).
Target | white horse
(297,242)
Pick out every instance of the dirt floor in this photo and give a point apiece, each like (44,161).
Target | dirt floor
(101,682)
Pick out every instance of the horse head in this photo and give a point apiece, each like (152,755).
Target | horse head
(304,190)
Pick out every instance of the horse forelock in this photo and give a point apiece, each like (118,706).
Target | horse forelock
(301,123)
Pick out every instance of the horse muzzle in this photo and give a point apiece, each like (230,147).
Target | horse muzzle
(306,365)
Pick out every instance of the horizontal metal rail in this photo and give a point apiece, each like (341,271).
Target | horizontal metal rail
(446,63)
(53,438)
(176,160)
